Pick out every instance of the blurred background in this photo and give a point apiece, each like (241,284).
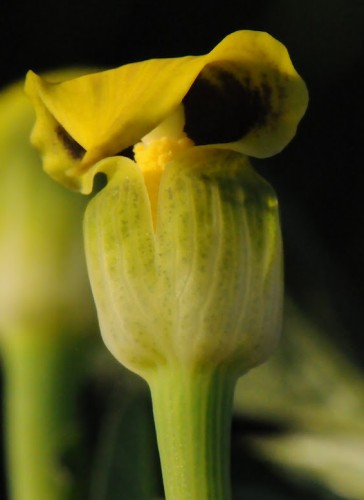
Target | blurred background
(297,431)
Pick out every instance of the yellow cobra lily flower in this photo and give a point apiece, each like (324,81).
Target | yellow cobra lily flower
(183,244)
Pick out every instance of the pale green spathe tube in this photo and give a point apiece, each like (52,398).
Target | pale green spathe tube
(205,288)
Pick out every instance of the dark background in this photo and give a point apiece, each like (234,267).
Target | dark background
(318,177)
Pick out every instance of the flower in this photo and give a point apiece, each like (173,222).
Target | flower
(179,268)
(183,244)
(244,95)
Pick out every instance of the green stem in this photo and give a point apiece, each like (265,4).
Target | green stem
(41,382)
(192,412)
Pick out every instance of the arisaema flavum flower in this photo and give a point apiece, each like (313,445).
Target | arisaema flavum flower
(183,244)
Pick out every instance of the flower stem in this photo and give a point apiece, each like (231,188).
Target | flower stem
(41,382)
(192,412)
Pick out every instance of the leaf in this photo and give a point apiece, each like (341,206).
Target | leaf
(317,394)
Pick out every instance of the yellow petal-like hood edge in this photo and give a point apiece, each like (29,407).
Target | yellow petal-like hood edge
(86,119)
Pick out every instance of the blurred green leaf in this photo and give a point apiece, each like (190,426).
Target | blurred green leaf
(316,393)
